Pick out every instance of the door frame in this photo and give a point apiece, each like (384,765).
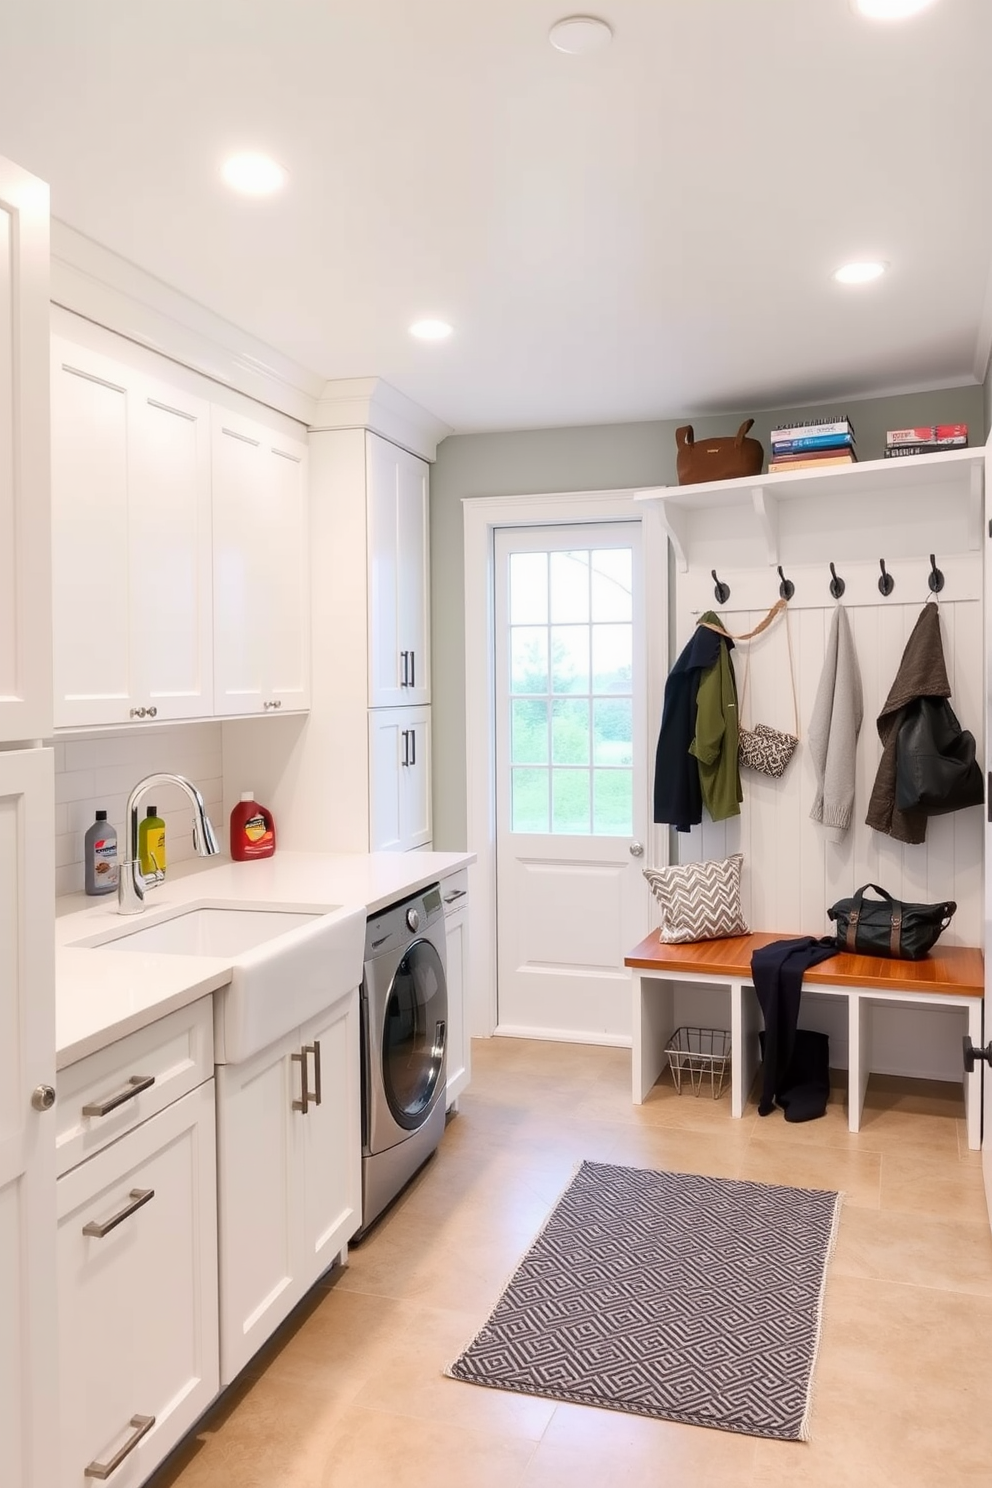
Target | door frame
(482,515)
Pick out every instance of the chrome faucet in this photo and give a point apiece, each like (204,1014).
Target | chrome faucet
(132,883)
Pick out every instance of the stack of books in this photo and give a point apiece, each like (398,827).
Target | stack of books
(928,440)
(813,446)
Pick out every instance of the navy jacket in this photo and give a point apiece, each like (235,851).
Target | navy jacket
(678,798)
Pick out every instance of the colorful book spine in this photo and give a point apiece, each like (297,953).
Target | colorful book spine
(900,451)
(818,426)
(939,434)
(812,464)
(811,442)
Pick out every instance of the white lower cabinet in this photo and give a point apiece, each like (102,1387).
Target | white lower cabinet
(137,1294)
(399,778)
(289,1174)
(454,895)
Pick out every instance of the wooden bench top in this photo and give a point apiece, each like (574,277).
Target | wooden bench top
(949,970)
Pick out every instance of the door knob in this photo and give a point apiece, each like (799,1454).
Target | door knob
(43,1097)
(971,1053)
(637,849)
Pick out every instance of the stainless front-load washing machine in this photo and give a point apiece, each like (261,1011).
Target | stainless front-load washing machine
(404,1006)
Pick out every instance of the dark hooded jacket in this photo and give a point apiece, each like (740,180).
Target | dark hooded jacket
(922,673)
(678,796)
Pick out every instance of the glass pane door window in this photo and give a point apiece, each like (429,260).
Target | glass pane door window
(570,693)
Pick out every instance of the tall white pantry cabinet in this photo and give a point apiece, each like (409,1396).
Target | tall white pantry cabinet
(363,762)
(28,1337)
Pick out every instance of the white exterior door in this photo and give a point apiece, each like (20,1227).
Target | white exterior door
(28,1341)
(571,778)
(25,507)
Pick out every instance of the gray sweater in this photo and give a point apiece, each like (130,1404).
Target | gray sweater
(834,727)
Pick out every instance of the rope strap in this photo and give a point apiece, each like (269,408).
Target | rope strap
(776,609)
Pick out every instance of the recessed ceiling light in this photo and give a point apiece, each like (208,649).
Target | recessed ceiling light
(254,175)
(859,273)
(578,35)
(430,330)
(890,10)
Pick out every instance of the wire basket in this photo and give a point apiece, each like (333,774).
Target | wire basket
(698,1054)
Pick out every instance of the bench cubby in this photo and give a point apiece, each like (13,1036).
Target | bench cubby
(950,978)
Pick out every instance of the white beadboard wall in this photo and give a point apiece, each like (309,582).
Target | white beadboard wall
(97,771)
(791,872)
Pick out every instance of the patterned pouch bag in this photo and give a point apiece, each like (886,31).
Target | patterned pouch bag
(764,748)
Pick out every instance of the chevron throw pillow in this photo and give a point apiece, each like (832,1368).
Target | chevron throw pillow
(699,901)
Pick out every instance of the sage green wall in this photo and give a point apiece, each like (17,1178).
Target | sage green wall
(602,458)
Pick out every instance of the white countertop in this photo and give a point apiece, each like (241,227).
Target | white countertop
(102,995)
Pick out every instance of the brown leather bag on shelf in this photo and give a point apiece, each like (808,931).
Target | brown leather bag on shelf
(724,458)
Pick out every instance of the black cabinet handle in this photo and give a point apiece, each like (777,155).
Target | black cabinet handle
(413,748)
(405,736)
(413,668)
(405,657)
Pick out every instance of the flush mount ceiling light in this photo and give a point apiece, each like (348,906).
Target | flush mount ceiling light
(430,330)
(253,175)
(578,35)
(859,273)
(889,10)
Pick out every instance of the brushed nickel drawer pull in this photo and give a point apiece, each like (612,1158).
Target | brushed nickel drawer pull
(455,894)
(138,1197)
(135,1085)
(141,1424)
(303,1104)
(314,1049)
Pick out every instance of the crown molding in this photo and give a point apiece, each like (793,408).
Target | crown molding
(372,403)
(100,285)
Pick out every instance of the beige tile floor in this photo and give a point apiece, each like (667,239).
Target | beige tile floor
(350,1392)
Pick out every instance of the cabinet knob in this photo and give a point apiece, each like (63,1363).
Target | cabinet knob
(272,703)
(43,1097)
(153,712)
(139,712)
(636,850)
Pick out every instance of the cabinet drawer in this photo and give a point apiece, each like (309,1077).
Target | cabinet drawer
(131,1080)
(454,892)
(137,1295)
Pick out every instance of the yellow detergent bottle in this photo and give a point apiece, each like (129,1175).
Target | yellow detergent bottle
(151,843)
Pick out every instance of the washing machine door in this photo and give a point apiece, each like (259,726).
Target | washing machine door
(413,1034)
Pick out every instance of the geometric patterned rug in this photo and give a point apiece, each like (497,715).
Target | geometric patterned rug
(668,1294)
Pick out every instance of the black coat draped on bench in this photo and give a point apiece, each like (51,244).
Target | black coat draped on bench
(794,1072)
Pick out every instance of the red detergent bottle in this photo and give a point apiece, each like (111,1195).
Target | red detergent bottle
(253,830)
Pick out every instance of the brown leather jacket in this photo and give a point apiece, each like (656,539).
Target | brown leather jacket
(922,673)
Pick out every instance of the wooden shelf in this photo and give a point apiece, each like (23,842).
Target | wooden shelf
(955,474)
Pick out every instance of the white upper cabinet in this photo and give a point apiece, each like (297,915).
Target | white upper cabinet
(399,779)
(261,568)
(25,594)
(398,577)
(131,544)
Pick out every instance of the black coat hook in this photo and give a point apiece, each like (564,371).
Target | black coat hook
(886,583)
(935,578)
(787,588)
(837,585)
(722,591)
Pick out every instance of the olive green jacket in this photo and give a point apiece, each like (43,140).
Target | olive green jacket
(715,741)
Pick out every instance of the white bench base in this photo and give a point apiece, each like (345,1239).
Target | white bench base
(653,1024)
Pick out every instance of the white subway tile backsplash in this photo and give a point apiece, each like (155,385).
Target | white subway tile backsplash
(98,773)
(74,785)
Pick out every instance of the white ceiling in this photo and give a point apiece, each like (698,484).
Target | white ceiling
(641,233)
